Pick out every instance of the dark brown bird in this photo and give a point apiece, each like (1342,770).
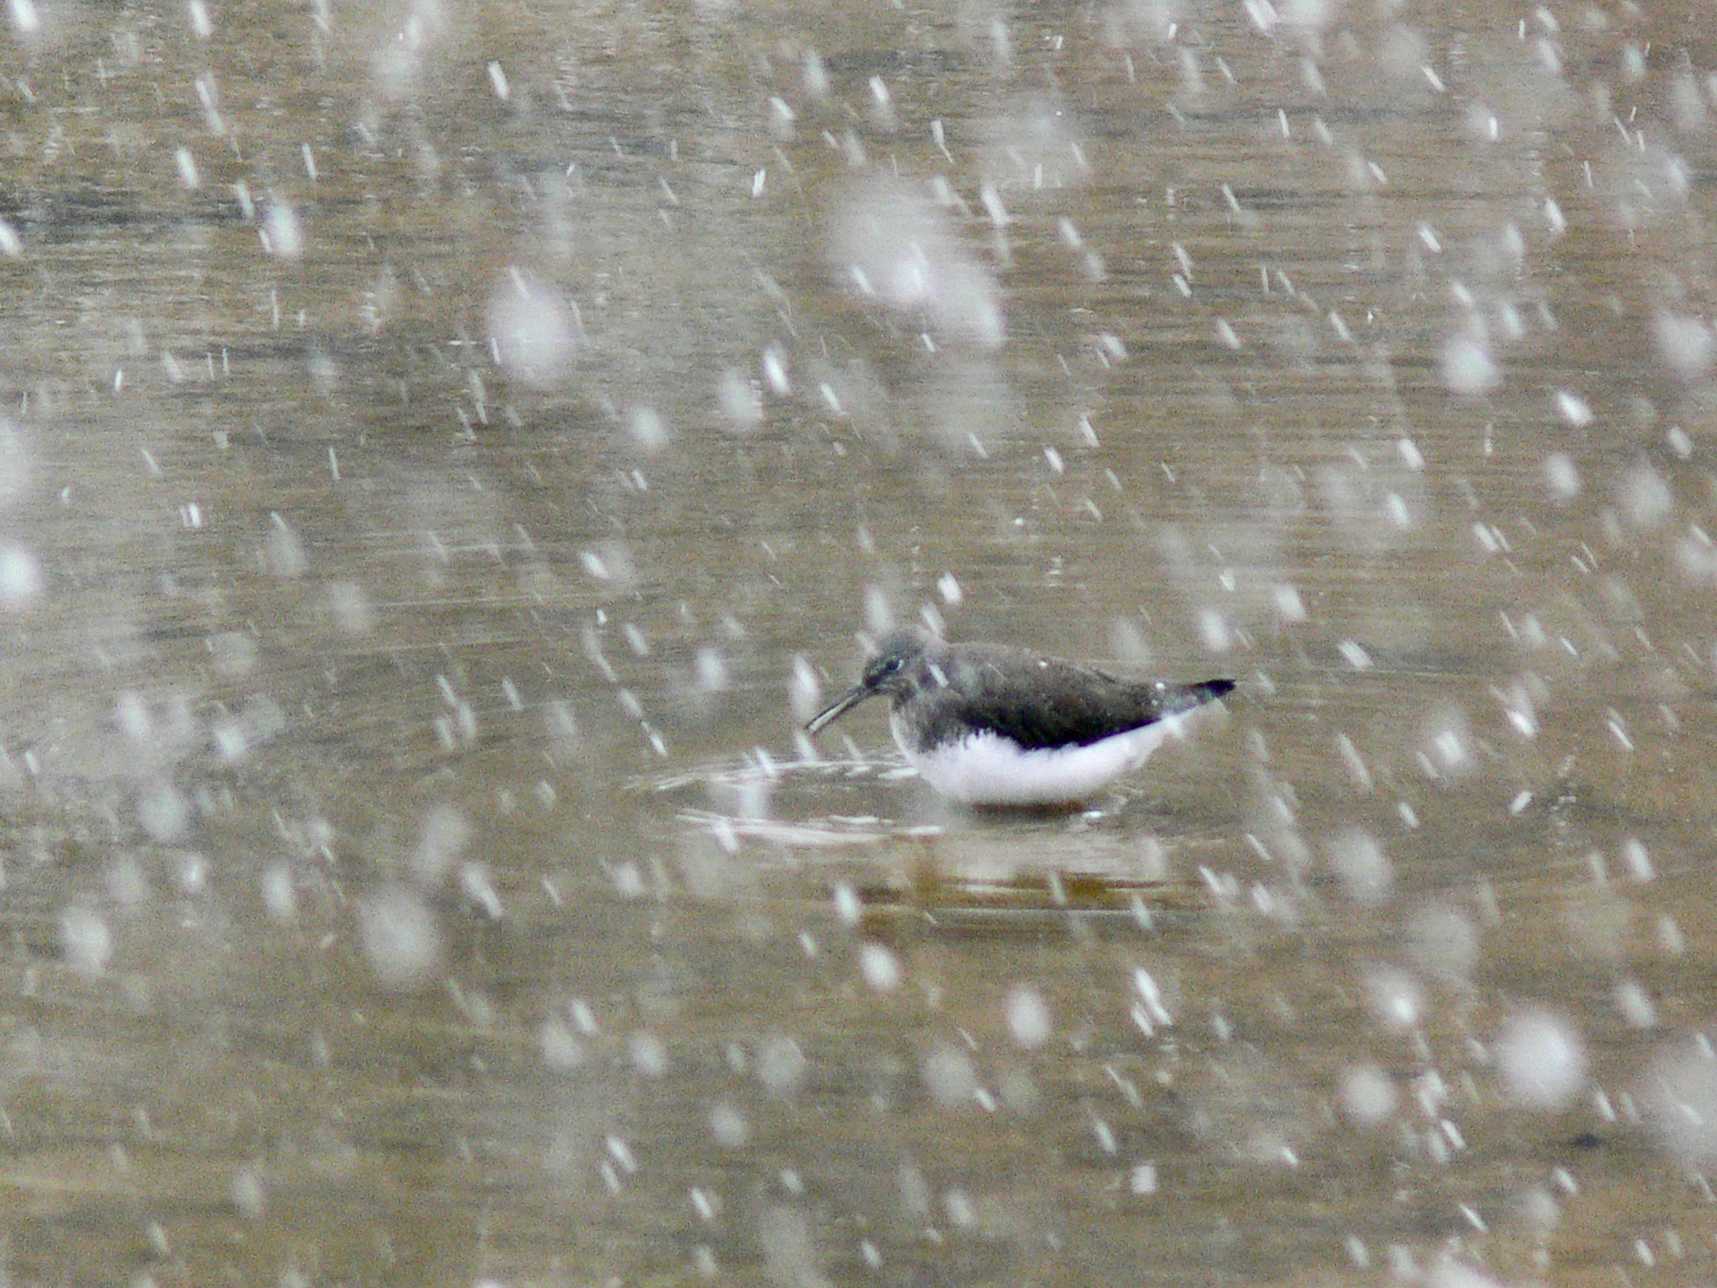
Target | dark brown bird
(989,724)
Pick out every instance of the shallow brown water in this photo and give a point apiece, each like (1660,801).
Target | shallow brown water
(435,440)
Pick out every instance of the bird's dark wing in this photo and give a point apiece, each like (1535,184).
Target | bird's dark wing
(1043,702)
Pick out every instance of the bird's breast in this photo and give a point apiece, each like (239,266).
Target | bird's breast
(984,768)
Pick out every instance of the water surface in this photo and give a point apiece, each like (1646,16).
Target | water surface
(445,453)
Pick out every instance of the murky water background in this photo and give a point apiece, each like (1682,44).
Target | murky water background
(445,450)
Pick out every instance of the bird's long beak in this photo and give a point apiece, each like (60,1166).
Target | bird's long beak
(838,708)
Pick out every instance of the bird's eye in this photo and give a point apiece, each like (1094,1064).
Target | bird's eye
(891,666)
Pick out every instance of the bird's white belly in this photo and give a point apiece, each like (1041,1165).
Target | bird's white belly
(986,769)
